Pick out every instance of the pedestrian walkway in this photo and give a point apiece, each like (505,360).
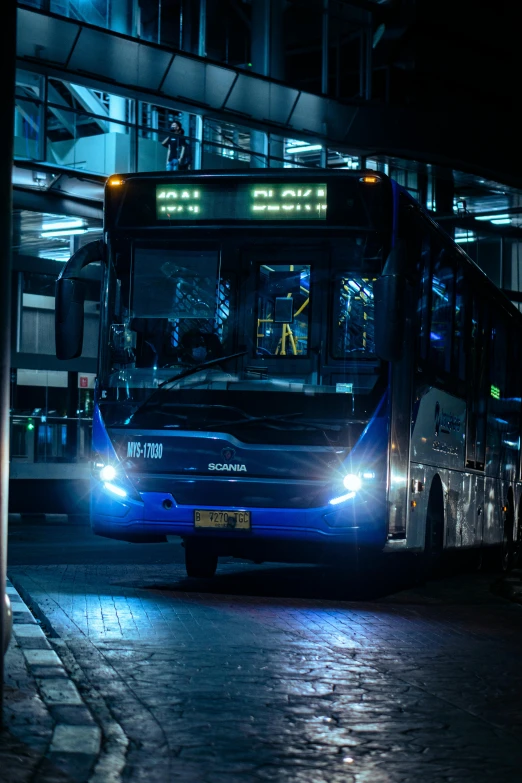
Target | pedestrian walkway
(49,734)
(199,682)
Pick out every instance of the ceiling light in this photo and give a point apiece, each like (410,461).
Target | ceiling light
(68,233)
(62,225)
(307,148)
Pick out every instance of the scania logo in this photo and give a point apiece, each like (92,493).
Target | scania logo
(227,467)
(228,454)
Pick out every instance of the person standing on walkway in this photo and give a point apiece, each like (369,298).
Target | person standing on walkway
(176,145)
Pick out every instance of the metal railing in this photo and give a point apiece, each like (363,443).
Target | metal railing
(50,439)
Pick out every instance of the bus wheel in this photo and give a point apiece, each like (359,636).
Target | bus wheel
(199,562)
(434,540)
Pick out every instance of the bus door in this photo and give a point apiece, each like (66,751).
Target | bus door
(477,401)
(278,288)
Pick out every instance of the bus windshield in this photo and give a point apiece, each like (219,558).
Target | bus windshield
(244,331)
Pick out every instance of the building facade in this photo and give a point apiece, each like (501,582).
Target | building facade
(254,83)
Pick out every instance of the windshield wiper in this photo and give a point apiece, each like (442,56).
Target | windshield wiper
(201,366)
(184,374)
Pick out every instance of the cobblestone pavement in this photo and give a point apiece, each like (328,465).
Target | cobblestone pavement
(201,682)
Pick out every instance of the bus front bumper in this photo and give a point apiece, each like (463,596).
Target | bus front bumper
(148,517)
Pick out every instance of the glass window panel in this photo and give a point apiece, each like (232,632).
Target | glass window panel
(353,318)
(88,143)
(37,315)
(53,237)
(282,330)
(28,137)
(102,104)
(216,157)
(459,332)
(28,84)
(294,153)
(442,295)
(227,134)
(175,284)
(96,12)
(229,146)
(179,309)
(342,160)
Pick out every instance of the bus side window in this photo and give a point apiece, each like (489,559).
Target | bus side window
(442,296)
(459,327)
(353,316)
(423,300)
(498,361)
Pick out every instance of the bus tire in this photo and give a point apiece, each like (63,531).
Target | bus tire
(434,535)
(200,563)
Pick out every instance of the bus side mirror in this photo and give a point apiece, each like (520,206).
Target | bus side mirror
(69,299)
(388,292)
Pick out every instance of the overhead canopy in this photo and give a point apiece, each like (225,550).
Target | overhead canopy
(451,136)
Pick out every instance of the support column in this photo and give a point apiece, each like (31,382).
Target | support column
(121,22)
(444,191)
(120,16)
(197,152)
(8,43)
(267,55)
(202,30)
(325,48)
(190,26)
(422,184)
(72,416)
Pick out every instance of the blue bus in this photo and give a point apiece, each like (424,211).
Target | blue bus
(295,365)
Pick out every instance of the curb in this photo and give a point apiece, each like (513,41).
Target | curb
(76,740)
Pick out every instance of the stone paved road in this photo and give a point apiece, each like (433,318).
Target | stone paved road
(212,682)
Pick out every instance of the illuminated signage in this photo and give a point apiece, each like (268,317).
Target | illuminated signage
(495,392)
(242,201)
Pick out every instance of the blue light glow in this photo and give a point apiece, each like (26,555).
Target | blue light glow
(342,498)
(115,489)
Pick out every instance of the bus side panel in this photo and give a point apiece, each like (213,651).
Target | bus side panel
(463,506)
(495,495)
(438,448)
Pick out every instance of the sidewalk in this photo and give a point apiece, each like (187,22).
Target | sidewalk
(49,733)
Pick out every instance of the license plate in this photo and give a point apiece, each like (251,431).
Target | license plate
(224,520)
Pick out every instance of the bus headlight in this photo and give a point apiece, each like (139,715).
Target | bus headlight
(108,473)
(352,482)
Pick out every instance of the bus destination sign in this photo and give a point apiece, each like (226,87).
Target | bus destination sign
(241,201)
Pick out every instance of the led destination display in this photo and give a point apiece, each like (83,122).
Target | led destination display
(242,201)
